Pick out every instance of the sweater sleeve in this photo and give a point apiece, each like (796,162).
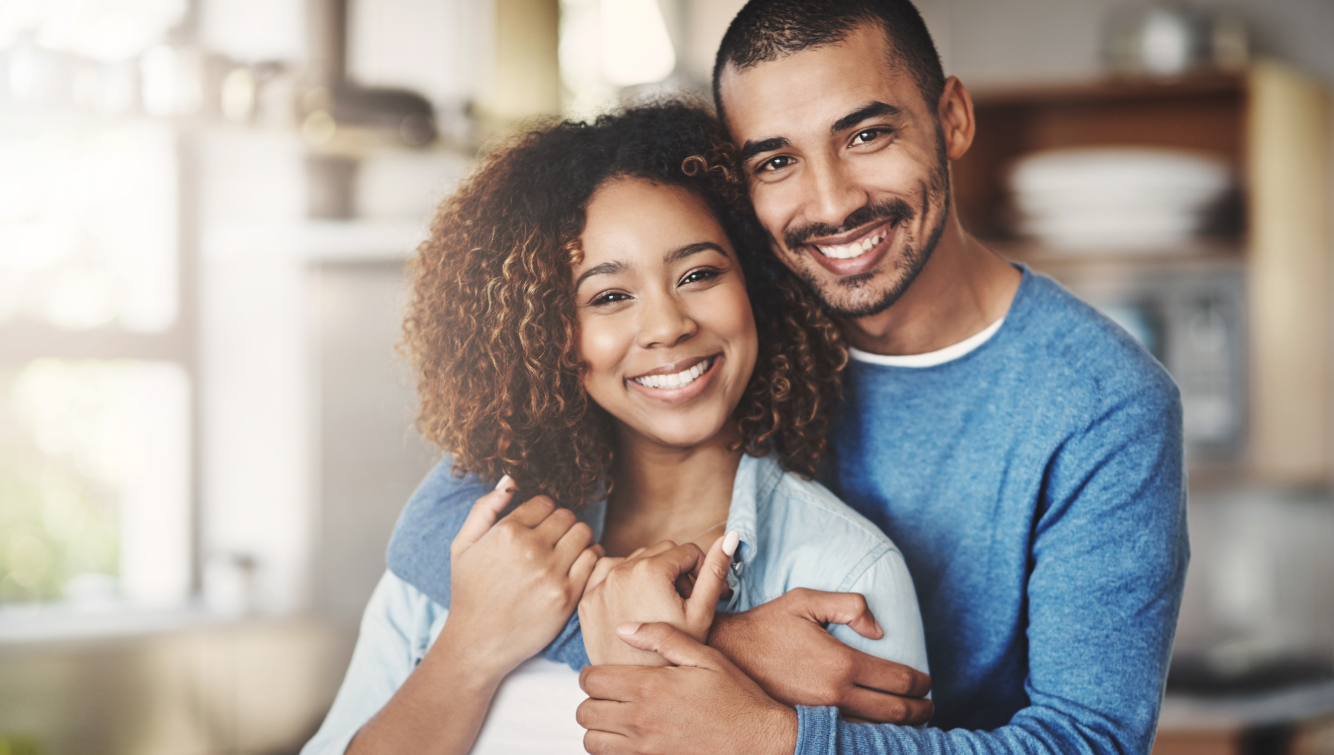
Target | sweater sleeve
(1107,570)
(419,548)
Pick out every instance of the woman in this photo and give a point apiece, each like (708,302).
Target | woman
(583,329)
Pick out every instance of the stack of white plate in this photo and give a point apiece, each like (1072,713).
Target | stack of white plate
(1116,198)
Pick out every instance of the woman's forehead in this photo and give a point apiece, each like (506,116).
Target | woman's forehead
(636,219)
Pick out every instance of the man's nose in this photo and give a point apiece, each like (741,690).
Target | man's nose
(664,321)
(833,195)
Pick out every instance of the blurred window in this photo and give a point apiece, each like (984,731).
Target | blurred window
(96,359)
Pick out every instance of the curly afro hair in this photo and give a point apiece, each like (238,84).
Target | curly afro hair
(491,328)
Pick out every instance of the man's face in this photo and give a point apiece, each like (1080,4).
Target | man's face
(846,166)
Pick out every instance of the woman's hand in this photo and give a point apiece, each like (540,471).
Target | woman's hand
(515,583)
(674,584)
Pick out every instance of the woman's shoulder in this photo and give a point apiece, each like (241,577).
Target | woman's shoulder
(814,538)
(396,607)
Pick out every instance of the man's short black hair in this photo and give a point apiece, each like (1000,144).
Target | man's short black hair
(766,30)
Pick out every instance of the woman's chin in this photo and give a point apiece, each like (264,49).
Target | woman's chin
(674,433)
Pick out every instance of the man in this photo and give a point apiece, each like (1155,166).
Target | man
(1022,452)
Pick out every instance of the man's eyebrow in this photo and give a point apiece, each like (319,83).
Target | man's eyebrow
(689,249)
(753,148)
(606,268)
(873,110)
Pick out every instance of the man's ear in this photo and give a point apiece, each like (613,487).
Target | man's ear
(955,111)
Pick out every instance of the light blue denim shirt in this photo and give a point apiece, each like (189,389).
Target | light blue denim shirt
(794,533)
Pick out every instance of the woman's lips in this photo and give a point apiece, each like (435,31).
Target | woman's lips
(677,382)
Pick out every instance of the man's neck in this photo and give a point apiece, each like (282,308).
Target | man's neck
(962,289)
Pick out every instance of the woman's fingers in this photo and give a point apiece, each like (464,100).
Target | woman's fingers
(581,571)
(533,511)
(559,522)
(601,570)
(483,515)
(572,543)
(711,580)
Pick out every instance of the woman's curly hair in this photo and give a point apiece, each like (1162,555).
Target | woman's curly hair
(491,328)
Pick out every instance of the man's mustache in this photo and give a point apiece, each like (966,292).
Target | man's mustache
(894,210)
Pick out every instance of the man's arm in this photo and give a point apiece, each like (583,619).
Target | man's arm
(1108,567)
(783,644)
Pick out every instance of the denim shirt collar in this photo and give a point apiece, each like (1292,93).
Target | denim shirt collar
(755,481)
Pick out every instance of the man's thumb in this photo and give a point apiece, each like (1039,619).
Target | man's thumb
(675,647)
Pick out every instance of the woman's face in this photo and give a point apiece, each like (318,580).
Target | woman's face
(665,325)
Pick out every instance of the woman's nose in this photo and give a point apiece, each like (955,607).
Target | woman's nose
(665,322)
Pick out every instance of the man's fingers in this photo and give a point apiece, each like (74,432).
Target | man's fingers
(607,743)
(878,707)
(711,580)
(675,647)
(484,514)
(615,683)
(888,676)
(839,608)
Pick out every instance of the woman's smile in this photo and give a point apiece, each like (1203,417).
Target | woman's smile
(667,335)
(680,381)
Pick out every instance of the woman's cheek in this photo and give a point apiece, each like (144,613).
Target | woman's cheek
(600,349)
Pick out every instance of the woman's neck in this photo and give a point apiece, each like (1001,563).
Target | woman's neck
(662,493)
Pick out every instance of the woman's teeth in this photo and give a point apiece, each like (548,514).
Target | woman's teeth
(678,380)
(849,251)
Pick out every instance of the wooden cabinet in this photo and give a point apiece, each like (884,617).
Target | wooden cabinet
(1272,124)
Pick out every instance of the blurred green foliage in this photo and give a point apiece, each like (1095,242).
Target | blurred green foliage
(57,518)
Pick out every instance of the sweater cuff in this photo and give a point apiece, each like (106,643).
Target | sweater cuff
(817,730)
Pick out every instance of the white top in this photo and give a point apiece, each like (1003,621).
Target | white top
(931,358)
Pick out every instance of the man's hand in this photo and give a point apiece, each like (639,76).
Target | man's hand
(674,584)
(784,647)
(702,703)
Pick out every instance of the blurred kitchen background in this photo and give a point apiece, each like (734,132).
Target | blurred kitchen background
(205,207)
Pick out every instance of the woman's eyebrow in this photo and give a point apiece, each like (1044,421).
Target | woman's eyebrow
(681,253)
(606,268)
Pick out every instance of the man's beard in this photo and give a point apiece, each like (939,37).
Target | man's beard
(907,266)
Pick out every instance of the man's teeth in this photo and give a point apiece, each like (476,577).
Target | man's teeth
(678,380)
(849,251)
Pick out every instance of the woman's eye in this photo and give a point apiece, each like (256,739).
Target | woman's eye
(696,276)
(610,297)
(776,163)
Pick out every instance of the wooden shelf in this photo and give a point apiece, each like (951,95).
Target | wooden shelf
(1272,124)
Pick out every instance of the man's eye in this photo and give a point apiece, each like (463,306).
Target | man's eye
(610,297)
(776,163)
(867,136)
(696,276)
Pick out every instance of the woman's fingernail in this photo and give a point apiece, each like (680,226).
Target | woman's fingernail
(628,628)
(730,543)
(505,483)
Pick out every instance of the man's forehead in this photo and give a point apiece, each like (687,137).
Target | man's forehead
(816,86)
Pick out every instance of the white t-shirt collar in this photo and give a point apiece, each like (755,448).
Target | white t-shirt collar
(931,358)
